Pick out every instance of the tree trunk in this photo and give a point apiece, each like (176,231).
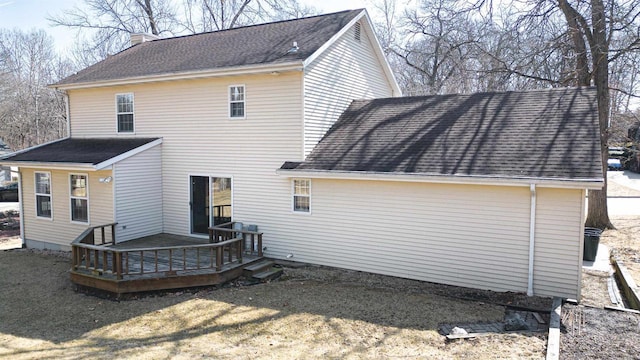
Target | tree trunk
(598,213)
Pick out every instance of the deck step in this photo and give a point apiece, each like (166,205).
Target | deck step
(268,274)
(258,267)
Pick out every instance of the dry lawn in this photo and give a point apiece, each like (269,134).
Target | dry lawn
(311,313)
(624,243)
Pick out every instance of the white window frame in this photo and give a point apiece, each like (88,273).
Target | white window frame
(71,198)
(294,195)
(244,101)
(132,113)
(50,195)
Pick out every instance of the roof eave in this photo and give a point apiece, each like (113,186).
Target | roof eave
(103,165)
(582,183)
(51,165)
(227,71)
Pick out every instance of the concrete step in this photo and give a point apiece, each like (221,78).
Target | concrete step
(268,274)
(258,267)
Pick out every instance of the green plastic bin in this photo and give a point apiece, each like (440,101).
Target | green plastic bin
(591,242)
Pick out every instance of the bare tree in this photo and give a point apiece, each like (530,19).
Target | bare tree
(30,112)
(109,24)
(104,26)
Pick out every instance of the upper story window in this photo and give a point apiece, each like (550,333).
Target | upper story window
(236,101)
(43,195)
(124,110)
(302,195)
(79,191)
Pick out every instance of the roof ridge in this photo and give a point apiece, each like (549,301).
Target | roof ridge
(247,26)
(523,91)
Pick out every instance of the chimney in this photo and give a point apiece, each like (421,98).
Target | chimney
(139,38)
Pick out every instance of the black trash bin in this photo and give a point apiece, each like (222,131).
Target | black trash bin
(591,241)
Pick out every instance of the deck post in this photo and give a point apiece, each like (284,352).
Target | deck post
(113,233)
(102,234)
(218,258)
(239,247)
(118,265)
(74,257)
(260,244)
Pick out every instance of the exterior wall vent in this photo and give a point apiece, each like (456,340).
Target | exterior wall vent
(139,38)
(357,31)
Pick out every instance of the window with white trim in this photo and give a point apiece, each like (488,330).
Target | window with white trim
(124,112)
(302,195)
(43,194)
(79,193)
(236,101)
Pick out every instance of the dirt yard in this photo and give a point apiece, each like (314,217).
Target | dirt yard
(589,331)
(625,243)
(309,313)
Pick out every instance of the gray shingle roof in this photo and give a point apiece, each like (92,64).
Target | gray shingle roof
(79,151)
(535,134)
(250,45)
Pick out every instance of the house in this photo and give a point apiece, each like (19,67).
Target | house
(296,127)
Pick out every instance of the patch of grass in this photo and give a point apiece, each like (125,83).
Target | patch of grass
(41,317)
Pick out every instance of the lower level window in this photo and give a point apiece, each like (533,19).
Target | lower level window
(301,195)
(79,198)
(43,194)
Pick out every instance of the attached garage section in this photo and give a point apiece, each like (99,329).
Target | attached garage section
(482,190)
(464,235)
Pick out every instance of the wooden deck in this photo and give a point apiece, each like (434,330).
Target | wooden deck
(161,261)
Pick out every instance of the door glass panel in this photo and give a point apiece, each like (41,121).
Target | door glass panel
(199,204)
(221,189)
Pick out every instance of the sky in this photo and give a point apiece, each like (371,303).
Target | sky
(32,14)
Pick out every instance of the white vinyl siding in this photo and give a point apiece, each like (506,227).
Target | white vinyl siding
(558,255)
(60,230)
(138,202)
(347,71)
(250,151)
(474,236)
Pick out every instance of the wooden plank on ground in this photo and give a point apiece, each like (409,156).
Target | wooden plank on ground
(539,318)
(553,345)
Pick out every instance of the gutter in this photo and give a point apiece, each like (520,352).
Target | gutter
(52,165)
(231,71)
(532,239)
(21,207)
(583,183)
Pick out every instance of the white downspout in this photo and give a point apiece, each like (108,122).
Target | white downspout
(532,238)
(21,207)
